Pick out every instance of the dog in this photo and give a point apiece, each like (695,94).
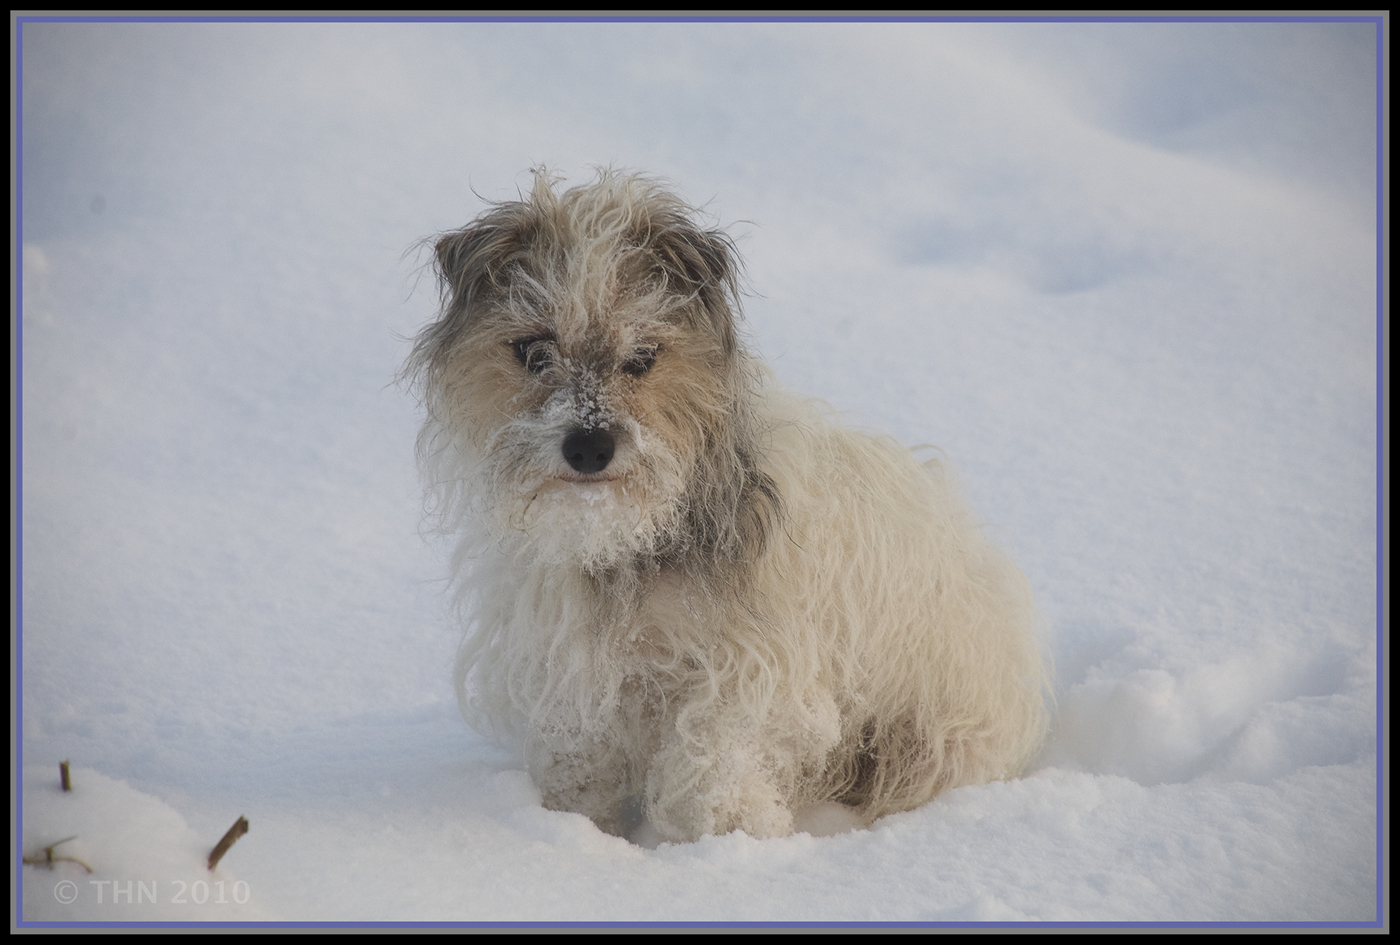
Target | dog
(697,602)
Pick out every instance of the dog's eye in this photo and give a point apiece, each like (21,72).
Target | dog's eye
(641,361)
(535,353)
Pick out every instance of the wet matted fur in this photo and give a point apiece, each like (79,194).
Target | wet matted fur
(689,595)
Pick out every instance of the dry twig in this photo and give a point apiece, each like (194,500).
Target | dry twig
(48,859)
(239,828)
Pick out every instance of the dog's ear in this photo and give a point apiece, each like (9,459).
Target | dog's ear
(704,264)
(470,264)
(470,261)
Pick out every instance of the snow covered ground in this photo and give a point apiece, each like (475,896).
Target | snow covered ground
(1123,274)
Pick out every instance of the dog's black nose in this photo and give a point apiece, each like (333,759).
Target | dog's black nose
(589,451)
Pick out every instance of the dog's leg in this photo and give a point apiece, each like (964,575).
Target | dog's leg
(727,780)
(584,776)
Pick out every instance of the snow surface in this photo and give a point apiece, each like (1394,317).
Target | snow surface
(1124,274)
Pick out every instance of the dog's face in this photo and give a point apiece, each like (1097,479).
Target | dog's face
(586,362)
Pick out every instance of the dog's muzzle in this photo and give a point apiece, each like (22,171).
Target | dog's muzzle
(589,451)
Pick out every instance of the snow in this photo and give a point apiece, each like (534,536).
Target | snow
(1123,274)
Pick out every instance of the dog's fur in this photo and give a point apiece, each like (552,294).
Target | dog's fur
(688,594)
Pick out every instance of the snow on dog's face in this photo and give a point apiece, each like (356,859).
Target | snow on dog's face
(586,377)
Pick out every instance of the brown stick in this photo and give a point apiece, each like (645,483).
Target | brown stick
(239,828)
(49,859)
(63,776)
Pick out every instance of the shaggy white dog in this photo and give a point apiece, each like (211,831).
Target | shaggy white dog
(693,598)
